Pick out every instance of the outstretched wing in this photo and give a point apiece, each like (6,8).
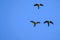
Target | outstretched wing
(41,4)
(38,22)
(36,5)
(32,21)
(45,22)
(51,22)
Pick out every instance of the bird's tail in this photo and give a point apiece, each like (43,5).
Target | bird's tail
(38,7)
(48,24)
(34,25)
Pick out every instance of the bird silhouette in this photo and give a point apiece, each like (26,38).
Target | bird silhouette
(38,5)
(35,23)
(48,22)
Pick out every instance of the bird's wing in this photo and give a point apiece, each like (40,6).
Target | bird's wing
(35,4)
(38,22)
(51,22)
(41,4)
(45,22)
(32,21)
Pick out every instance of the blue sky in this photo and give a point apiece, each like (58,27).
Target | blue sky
(15,17)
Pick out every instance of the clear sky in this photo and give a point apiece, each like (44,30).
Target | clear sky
(15,17)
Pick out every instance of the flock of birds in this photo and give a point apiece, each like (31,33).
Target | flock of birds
(47,21)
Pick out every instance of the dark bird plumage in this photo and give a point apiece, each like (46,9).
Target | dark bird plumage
(48,22)
(35,23)
(38,5)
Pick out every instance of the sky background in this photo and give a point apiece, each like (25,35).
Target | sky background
(15,17)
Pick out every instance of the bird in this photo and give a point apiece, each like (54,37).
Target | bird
(38,5)
(34,23)
(48,22)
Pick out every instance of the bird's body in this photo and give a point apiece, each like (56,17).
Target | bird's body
(35,23)
(38,5)
(48,22)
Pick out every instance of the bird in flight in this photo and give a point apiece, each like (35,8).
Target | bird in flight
(48,22)
(35,23)
(38,5)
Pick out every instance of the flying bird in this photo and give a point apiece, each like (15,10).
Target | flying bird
(48,22)
(35,23)
(38,5)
